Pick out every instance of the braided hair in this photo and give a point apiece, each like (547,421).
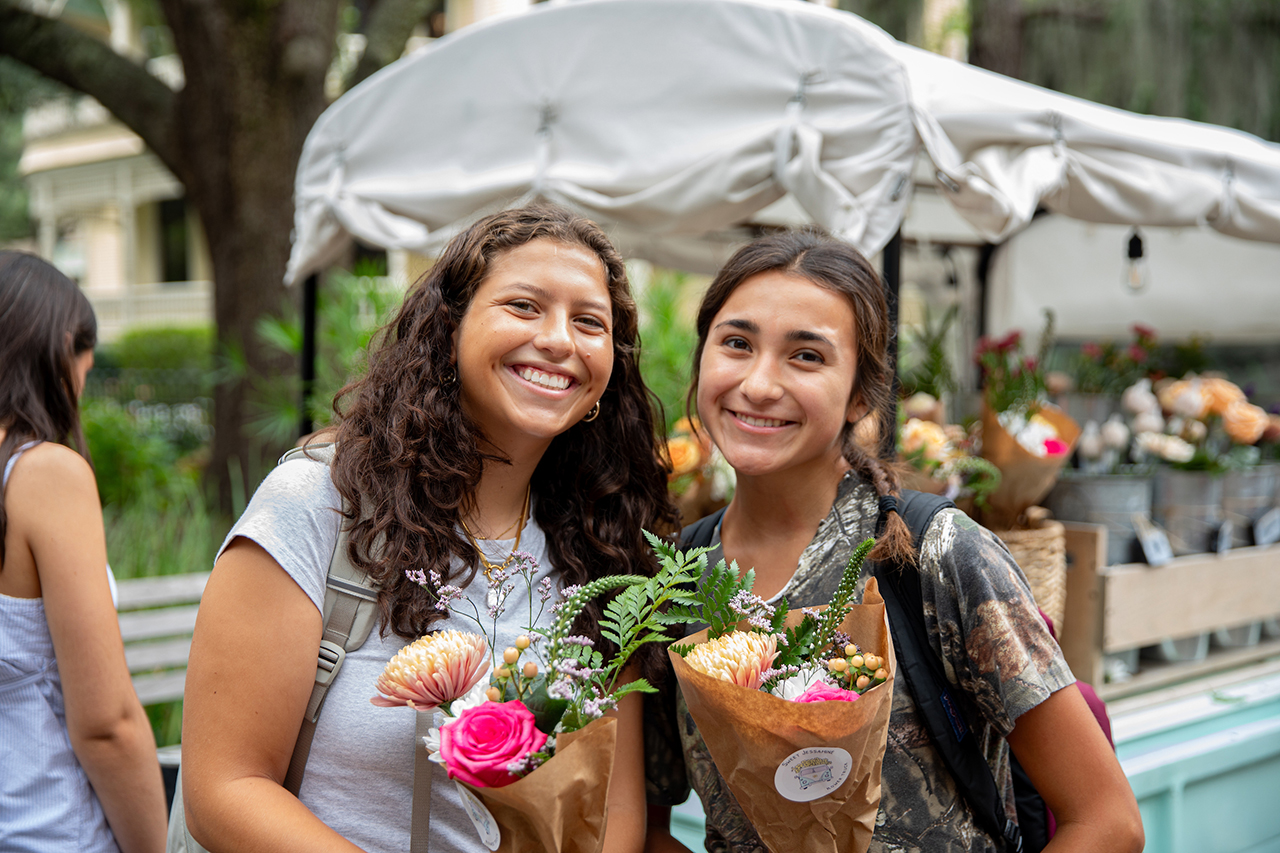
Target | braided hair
(838,267)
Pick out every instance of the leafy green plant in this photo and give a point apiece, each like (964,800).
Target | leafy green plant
(668,341)
(162,364)
(926,362)
(352,307)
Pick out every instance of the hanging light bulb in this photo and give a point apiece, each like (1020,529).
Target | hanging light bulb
(1135,268)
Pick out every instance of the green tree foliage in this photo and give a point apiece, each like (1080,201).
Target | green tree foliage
(1216,61)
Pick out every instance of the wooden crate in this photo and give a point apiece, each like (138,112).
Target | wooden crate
(1117,608)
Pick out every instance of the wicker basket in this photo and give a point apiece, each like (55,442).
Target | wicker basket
(1041,552)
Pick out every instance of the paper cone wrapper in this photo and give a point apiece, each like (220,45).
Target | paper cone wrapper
(754,738)
(1025,479)
(562,806)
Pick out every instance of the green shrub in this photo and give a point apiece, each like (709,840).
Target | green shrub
(155,364)
(668,340)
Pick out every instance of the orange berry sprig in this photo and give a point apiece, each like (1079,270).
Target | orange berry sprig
(857,671)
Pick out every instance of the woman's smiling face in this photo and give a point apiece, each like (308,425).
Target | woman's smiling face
(535,347)
(776,376)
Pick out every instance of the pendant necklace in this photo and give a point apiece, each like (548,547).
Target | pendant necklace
(491,595)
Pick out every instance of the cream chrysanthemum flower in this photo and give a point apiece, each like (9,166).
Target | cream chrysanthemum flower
(433,671)
(739,657)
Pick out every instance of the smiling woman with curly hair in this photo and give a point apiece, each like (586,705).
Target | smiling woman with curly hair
(502,411)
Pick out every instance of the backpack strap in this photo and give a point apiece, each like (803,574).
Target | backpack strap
(927,681)
(350,612)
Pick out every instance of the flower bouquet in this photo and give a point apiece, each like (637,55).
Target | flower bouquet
(941,463)
(529,746)
(794,713)
(1025,437)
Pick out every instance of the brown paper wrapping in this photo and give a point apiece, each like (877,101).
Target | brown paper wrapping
(562,806)
(1025,479)
(749,733)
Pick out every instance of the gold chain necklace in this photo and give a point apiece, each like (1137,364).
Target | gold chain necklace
(491,567)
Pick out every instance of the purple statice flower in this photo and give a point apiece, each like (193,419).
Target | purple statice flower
(577,640)
(810,613)
(417,576)
(544,589)
(573,669)
(593,708)
(561,688)
(778,672)
(566,595)
(839,640)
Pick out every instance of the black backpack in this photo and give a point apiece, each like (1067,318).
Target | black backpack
(923,674)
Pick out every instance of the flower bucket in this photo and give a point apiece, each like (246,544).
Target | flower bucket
(1188,505)
(1082,408)
(1107,499)
(1246,495)
(1041,553)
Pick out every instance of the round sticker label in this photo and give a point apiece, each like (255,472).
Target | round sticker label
(486,826)
(812,772)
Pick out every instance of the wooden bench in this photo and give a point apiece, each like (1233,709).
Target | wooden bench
(157,616)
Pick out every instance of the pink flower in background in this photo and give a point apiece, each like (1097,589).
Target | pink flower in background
(821,691)
(478,746)
(433,671)
(1055,447)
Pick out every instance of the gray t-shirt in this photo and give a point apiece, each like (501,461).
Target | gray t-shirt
(359,777)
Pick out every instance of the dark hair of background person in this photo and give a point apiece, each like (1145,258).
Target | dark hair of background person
(410,459)
(45,322)
(840,268)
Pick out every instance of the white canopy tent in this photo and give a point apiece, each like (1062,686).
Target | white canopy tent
(679,123)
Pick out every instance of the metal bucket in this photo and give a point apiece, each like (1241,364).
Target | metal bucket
(1089,407)
(1107,499)
(1246,495)
(1188,505)
(1180,650)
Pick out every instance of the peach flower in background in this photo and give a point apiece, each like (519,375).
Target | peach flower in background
(1219,394)
(926,437)
(1244,422)
(739,657)
(433,671)
(685,454)
(1185,398)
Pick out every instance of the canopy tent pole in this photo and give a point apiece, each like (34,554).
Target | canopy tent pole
(891,261)
(307,358)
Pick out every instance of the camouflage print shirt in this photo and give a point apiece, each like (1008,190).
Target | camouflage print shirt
(996,650)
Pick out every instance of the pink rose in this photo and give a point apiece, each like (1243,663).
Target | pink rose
(482,741)
(821,691)
(1055,447)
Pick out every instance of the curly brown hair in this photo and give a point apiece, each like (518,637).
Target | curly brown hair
(840,268)
(409,458)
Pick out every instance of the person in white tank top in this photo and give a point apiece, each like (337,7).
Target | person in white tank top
(78,768)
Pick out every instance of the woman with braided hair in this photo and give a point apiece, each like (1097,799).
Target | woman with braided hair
(792,355)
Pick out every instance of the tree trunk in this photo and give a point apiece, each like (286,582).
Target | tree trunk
(996,35)
(254,87)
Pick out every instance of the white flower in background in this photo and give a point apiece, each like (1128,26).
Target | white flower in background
(790,688)
(1115,434)
(1090,445)
(1170,448)
(1139,398)
(1149,421)
(723,478)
